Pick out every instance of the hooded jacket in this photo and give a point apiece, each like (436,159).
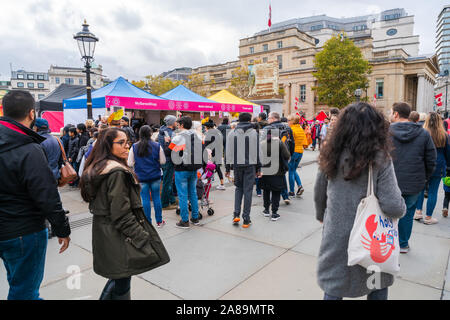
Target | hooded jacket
(53,152)
(28,190)
(123,241)
(414,156)
(243,147)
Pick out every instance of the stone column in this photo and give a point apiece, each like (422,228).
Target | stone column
(421,93)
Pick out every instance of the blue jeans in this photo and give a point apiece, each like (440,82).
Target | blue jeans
(293,175)
(258,188)
(152,187)
(405,224)
(381,294)
(186,182)
(167,197)
(433,188)
(24,260)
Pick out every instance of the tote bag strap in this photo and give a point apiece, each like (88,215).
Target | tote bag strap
(370,188)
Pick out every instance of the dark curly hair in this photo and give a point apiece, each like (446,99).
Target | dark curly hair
(363,131)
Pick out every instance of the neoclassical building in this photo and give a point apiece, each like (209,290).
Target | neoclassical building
(282,61)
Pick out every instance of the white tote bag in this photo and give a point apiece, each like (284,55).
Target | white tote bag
(374,238)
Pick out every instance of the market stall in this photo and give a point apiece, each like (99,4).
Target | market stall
(226,97)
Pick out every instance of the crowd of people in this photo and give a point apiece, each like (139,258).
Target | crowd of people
(121,170)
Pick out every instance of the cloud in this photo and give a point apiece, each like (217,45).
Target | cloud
(128,19)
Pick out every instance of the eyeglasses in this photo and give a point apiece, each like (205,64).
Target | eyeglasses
(123,143)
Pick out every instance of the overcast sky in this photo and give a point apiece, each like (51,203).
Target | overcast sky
(142,37)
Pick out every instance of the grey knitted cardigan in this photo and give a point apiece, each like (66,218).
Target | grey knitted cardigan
(336,202)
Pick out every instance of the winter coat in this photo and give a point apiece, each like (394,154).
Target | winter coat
(414,156)
(223,128)
(123,242)
(83,139)
(74,148)
(28,190)
(165,145)
(336,202)
(269,180)
(65,141)
(53,152)
(442,160)
(299,138)
(243,147)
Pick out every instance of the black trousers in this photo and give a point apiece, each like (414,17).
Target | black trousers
(219,171)
(274,200)
(446,200)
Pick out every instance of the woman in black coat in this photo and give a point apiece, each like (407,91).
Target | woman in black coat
(273,181)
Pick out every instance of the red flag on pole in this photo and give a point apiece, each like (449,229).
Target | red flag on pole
(270,15)
(439,100)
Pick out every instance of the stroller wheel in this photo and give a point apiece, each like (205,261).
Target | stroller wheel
(210,212)
(178,211)
(200,216)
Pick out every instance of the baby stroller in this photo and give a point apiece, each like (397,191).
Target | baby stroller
(204,183)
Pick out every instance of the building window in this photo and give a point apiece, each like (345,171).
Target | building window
(40,85)
(95,82)
(252,50)
(68,81)
(30,76)
(316,27)
(302,61)
(20,85)
(265,60)
(80,81)
(379,88)
(280,44)
(30,85)
(251,61)
(41,96)
(280,62)
(303,93)
(57,80)
(40,77)
(265,47)
(20,76)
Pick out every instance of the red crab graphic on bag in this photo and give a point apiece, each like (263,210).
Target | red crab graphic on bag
(380,249)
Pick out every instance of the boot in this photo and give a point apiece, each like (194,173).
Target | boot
(125,296)
(107,291)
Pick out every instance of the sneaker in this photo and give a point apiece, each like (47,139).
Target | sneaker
(291,194)
(266,213)
(160,224)
(430,221)
(236,220)
(195,222)
(221,187)
(170,207)
(418,215)
(183,225)
(404,250)
(287,201)
(246,224)
(259,195)
(445,213)
(275,216)
(300,191)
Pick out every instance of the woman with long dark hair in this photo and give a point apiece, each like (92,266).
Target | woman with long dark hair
(147,156)
(435,126)
(123,243)
(360,139)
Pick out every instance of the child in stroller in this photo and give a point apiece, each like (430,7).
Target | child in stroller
(205,177)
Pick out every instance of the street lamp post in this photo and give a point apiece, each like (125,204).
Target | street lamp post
(358,93)
(86,44)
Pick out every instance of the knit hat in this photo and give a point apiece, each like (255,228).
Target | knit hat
(170,120)
(41,123)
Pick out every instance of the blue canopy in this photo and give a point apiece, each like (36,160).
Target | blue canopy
(118,88)
(181,93)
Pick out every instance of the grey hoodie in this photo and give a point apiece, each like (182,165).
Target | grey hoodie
(414,156)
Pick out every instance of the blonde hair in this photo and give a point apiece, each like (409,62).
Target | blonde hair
(294,118)
(89,123)
(435,126)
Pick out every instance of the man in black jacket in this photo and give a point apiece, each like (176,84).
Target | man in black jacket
(414,158)
(28,196)
(243,155)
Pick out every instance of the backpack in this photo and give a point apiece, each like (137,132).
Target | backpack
(289,141)
(194,141)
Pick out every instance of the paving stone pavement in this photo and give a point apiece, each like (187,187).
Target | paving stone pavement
(216,260)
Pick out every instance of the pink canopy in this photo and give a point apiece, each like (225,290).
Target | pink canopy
(55,120)
(155,104)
